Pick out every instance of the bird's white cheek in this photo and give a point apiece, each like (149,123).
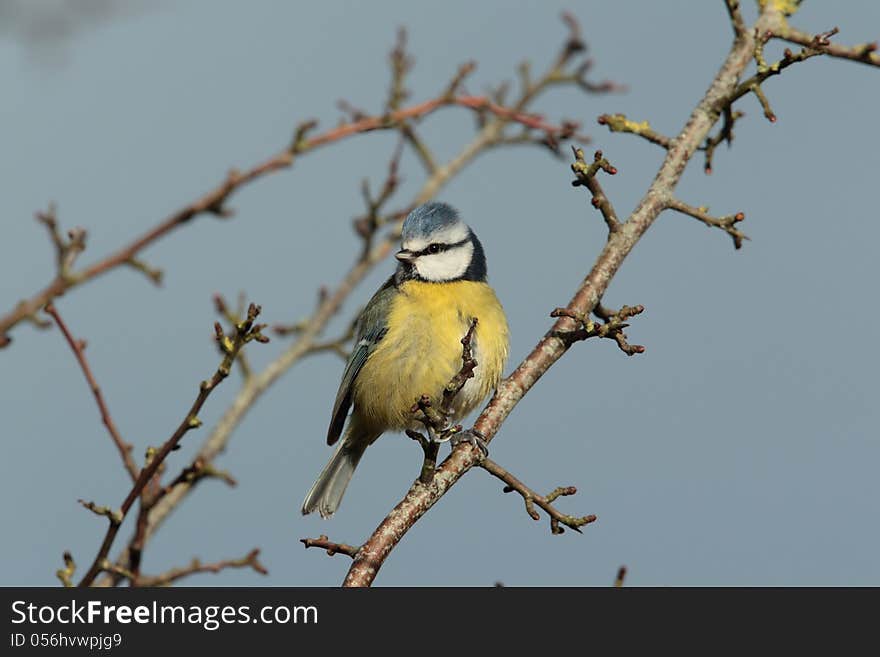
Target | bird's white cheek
(445,266)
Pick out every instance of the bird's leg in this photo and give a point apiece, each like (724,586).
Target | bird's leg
(471,436)
(435,436)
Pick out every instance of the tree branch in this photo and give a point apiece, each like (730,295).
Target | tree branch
(308,331)
(250,560)
(245,332)
(586,176)
(531,499)
(332,548)
(619,123)
(865,53)
(726,223)
(78,347)
(214,201)
(420,498)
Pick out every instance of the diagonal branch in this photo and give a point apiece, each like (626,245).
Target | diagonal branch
(419,499)
(78,348)
(214,201)
(245,332)
(307,332)
(736,18)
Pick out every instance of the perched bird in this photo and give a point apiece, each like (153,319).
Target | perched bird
(409,343)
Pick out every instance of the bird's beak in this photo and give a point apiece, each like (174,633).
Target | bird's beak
(405,256)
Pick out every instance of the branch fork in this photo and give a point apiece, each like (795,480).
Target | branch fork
(246,331)
(558,520)
(612,326)
(585,175)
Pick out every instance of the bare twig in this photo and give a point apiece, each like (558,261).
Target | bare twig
(612,326)
(78,348)
(726,223)
(586,176)
(619,123)
(490,135)
(865,53)
(419,499)
(245,332)
(66,574)
(725,134)
(532,499)
(214,202)
(332,548)
(250,560)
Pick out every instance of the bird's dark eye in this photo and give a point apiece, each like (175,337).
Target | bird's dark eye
(434,248)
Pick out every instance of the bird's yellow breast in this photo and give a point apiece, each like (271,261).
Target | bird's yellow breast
(421,351)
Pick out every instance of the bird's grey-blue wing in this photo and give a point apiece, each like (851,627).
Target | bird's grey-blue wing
(371,328)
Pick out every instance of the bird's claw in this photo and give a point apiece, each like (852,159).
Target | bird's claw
(472,437)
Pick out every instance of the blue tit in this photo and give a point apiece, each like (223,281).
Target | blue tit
(408,343)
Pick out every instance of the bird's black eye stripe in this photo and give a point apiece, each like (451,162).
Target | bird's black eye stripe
(436,247)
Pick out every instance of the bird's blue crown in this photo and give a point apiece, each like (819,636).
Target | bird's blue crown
(427,219)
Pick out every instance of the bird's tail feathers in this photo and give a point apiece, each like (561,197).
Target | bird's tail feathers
(326,493)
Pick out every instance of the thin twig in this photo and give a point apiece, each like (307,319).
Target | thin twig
(250,560)
(726,223)
(865,53)
(245,332)
(78,348)
(532,499)
(214,202)
(619,123)
(586,176)
(332,548)
(612,326)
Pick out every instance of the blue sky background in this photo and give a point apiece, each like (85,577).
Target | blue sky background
(740,449)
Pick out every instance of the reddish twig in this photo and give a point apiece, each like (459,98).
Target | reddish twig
(214,201)
(78,348)
(491,134)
